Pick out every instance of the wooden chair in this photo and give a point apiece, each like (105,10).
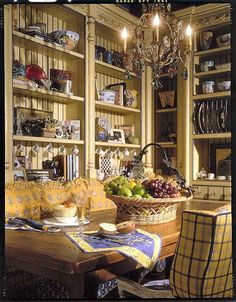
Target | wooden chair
(202,264)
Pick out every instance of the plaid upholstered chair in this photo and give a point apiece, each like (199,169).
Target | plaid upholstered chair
(202,264)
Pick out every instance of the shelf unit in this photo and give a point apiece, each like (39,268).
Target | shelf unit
(109,38)
(210,127)
(42,93)
(60,141)
(31,50)
(164,117)
(107,144)
(83,104)
(49,48)
(116,108)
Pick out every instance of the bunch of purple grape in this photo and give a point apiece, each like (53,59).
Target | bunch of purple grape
(161,188)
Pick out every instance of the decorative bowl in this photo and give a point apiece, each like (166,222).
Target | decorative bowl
(107,95)
(64,210)
(66,38)
(224,85)
(206,40)
(223,40)
(207,66)
(35,72)
(208,87)
(66,219)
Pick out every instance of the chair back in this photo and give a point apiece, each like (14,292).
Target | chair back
(202,265)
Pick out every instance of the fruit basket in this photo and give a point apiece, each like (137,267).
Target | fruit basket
(147,201)
(145,211)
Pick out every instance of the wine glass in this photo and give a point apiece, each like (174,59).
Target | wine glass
(81,213)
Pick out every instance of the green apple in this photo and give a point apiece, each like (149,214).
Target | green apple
(139,190)
(137,196)
(125,192)
(147,196)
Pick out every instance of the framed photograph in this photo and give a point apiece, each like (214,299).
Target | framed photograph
(117,136)
(217,153)
(128,130)
(27,121)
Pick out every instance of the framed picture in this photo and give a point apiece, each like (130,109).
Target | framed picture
(128,130)
(117,135)
(28,121)
(217,153)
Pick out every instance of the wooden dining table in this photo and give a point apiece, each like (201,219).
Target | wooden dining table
(54,256)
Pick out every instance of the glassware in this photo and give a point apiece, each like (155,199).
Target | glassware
(49,148)
(35,149)
(81,214)
(87,208)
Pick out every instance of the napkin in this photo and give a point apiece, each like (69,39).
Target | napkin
(27,224)
(141,246)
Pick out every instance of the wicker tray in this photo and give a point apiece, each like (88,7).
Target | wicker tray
(145,211)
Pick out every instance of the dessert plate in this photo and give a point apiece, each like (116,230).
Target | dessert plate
(54,221)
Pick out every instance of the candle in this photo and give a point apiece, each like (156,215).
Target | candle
(189,35)
(156,23)
(125,36)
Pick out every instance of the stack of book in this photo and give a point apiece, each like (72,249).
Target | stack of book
(69,166)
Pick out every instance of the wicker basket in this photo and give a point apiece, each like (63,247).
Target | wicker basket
(145,211)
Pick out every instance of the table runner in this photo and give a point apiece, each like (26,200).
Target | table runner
(141,246)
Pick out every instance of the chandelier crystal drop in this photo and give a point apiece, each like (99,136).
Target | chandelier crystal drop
(158,41)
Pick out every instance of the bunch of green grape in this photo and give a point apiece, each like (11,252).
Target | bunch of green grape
(116,184)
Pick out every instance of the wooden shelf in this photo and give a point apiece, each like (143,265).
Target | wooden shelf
(110,69)
(166,110)
(167,144)
(211,72)
(42,93)
(211,51)
(116,108)
(37,44)
(212,135)
(211,95)
(116,145)
(206,182)
(47,140)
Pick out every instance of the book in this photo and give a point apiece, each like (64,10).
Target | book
(70,167)
(67,167)
(76,166)
(73,166)
(62,164)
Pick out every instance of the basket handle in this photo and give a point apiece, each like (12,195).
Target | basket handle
(181,180)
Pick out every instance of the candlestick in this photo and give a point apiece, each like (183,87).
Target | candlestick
(189,35)
(156,23)
(125,36)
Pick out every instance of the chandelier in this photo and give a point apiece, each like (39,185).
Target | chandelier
(158,41)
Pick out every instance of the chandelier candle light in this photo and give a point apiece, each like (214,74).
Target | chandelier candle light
(163,51)
(125,36)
